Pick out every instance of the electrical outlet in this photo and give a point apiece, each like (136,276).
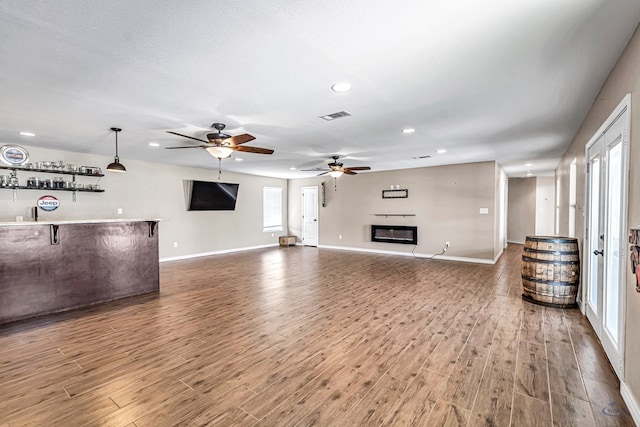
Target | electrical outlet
(175,244)
(273,234)
(119,211)
(339,236)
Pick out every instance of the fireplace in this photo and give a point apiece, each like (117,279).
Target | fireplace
(394,234)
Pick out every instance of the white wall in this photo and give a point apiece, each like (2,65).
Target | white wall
(521,209)
(444,199)
(155,190)
(531,208)
(545,205)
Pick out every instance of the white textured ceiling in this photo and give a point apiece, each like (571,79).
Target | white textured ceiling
(487,80)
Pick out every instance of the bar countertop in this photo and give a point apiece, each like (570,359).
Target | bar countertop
(78,221)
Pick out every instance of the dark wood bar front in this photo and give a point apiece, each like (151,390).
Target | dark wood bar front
(52,267)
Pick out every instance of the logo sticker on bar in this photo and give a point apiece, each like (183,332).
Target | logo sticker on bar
(48,203)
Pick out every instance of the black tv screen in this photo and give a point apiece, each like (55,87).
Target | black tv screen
(213,196)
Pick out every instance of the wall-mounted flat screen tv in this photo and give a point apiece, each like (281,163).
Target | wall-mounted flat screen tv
(213,196)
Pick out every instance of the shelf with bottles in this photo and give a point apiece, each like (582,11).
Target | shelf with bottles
(56,168)
(86,189)
(11,182)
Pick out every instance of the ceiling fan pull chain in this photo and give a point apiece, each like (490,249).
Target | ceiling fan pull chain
(219,168)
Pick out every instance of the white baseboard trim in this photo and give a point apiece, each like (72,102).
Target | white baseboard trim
(409,254)
(631,402)
(498,256)
(461,259)
(224,251)
(515,243)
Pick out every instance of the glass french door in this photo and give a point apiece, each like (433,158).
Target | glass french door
(594,264)
(605,232)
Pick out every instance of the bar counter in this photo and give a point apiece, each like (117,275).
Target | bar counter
(53,266)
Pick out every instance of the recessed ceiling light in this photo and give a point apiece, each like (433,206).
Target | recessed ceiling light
(341,87)
(441,151)
(238,159)
(528,164)
(529,173)
(292,169)
(153,144)
(408,130)
(27,133)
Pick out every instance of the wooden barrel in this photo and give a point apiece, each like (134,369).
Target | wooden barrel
(550,271)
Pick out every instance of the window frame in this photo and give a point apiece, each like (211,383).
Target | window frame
(272,225)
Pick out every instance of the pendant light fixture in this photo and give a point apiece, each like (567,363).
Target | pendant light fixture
(116,166)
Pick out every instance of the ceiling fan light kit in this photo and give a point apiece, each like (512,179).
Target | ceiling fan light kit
(220,145)
(219,152)
(116,166)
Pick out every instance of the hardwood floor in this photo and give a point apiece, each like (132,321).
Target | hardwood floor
(302,336)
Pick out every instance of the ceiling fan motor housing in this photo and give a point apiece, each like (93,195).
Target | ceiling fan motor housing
(217,136)
(335,164)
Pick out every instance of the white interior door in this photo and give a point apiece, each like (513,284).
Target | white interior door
(310,216)
(605,233)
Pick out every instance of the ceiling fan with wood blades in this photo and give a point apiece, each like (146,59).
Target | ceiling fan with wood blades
(337,168)
(221,145)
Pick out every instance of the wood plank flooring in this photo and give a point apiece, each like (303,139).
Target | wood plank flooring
(302,336)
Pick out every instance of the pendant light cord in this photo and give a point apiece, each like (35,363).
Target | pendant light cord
(117,159)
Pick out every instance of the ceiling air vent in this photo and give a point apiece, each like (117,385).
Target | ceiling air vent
(422,157)
(334,116)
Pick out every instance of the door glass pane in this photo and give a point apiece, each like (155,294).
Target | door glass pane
(612,247)
(557,225)
(572,197)
(594,229)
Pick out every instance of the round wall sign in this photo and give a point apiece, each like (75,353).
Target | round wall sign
(13,155)
(48,203)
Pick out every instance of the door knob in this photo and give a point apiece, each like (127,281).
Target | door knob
(599,252)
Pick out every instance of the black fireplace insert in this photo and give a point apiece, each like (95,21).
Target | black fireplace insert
(394,234)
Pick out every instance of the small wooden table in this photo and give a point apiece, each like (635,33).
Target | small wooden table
(287,240)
